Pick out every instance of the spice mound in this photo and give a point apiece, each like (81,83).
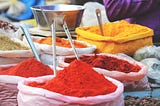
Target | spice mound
(28,68)
(61,42)
(108,63)
(79,80)
(8,44)
(118,29)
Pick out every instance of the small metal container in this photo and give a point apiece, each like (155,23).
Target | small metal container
(72,14)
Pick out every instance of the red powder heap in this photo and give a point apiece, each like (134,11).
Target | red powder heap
(80,80)
(107,62)
(28,68)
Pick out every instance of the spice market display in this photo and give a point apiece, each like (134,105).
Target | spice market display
(63,46)
(119,67)
(77,84)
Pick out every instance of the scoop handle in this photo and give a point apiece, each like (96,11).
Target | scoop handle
(99,18)
(29,39)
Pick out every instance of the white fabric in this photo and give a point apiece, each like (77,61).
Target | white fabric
(16,8)
(8,87)
(4,4)
(63,51)
(89,16)
(16,53)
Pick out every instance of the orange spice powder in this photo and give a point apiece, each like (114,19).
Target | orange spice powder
(61,42)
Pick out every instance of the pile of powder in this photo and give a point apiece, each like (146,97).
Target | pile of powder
(61,42)
(8,44)
(108,63)
(28,68)
(79,80)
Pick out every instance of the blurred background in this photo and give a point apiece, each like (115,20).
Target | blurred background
(19,10)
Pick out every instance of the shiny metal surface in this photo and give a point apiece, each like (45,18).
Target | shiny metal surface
(99,18)
(72,14)
(70,39)
(30,42)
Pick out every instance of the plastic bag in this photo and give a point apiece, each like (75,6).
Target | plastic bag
(89,16)
(31,96)
(147,52)
(137,85)
(154,68)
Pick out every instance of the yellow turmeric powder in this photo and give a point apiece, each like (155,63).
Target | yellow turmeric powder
(121,28)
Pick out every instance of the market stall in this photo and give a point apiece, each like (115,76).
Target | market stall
(119,67)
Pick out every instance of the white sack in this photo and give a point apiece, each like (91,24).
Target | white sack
(8,88)
(63,51)
(32,96)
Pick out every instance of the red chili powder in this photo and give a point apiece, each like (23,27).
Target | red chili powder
(79,80)
(28,68)
(108,63)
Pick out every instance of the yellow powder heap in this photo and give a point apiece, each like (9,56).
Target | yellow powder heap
(118,29)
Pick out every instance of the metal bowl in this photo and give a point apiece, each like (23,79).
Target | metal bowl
(71,14)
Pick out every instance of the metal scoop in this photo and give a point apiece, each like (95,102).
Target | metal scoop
(53,30)
(99,18)
(29,39)
(45,17)
(70,39)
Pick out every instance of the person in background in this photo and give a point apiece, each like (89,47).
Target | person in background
(143,12)
(21,9)
(82,2)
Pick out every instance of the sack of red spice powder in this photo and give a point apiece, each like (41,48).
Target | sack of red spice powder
(32,96)
(115,62)
(7,78)
(11,74)
(132,79)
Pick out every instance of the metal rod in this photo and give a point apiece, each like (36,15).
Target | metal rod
(70,39)
(29,39)
(45,17)
(53,30)
(99,18)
